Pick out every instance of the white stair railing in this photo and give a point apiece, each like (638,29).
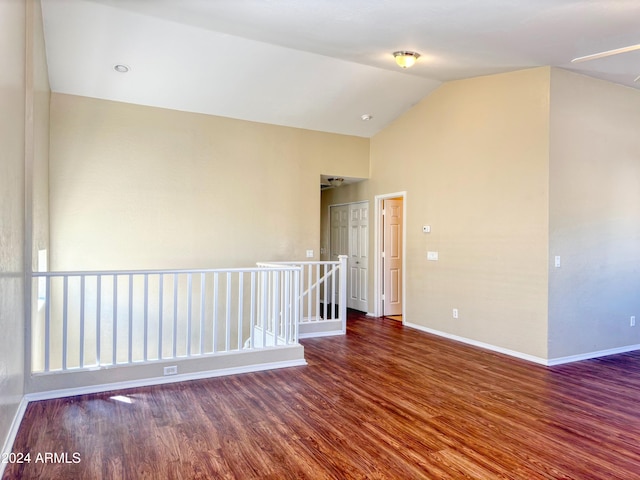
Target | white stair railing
(323,296)
(93,319)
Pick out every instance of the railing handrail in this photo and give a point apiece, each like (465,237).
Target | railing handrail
(321,262)
(90,273)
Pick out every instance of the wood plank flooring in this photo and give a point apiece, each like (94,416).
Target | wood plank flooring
(382,402)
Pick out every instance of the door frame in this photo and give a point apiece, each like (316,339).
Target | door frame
(377,257)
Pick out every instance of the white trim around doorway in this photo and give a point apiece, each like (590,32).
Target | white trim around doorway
(377,284)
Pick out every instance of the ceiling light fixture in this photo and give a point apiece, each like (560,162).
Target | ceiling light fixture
(336,182)
(406,59)
(120,68)
(637,79)
(366,117)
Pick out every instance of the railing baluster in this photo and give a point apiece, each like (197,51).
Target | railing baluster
(189,310)
(297,310)
(160,313)
(215,312)
(203,284)
(334,281)
(252,320)
(343,292)
(264,306)
(130,346)
(114,326)
(82,287)
(287,307)
(47,325)
(146,318)
(325,289)
(240,307)
(227,339)
(175,315)
(300,295)
(65,312)
(98,317)
(309,312)
(317,293)
(276,307)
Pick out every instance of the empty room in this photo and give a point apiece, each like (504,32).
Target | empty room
(360,239)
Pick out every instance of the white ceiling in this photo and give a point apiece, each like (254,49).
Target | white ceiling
(320,64)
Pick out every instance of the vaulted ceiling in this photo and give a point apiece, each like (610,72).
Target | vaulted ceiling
(321,64)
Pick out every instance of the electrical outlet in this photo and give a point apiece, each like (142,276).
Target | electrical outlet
(455,313)
(632,321)
(173,370)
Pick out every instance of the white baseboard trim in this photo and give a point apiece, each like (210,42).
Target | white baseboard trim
(524,356)
(475,343)
(71,392)
(331,333)
(13,431)
(587,356)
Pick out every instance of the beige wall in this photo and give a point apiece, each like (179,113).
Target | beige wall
(12,157)
(473,159)
(139,187)
(594,216)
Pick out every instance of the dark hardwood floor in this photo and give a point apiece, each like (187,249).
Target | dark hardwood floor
(383,401)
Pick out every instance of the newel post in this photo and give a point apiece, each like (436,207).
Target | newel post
(342,299)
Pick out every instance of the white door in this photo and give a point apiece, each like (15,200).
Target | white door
(392,255)
(350,236)
(358,256)
(339,242)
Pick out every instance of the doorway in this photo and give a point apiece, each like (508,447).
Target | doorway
(389,265)
(349,225)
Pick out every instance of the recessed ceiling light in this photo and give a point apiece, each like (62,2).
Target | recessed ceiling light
(366,117)
(120,68)
(406,59)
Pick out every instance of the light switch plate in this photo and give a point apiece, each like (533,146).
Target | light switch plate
(309,253)
(432,256)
